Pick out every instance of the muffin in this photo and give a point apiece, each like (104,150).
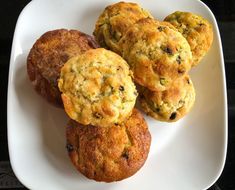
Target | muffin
(156,52)
(48,55)
(197,30)
(109,154)
(169,105)
(97,88)
(114,22)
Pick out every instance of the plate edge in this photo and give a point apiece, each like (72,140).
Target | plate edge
(225,111)
(9,94)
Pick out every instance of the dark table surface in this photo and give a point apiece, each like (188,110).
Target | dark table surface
(225,15)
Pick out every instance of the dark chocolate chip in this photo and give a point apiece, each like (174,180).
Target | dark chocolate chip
(169,51)
(121,88)
(181,71)
(125,155)
(160,28)
(69,147)
(178,59)
(173,116)
(157,109)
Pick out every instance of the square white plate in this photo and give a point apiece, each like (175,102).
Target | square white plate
(188,154)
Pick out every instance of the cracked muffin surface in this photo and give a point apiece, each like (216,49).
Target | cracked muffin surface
(97,88)
(156,52)
(48,55)
(169,105)
(114,22)
(196,29)
(109,154)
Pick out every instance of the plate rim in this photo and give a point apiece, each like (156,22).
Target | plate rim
(9,92)
(222,65)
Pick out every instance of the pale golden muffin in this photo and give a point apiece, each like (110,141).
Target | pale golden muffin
(156,52)
(97,88)
(169,105)
(114,22)
(197,30)
(48,55)
(109,154)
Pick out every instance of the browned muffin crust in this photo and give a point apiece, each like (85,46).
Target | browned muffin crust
(197,30)
(114,21)
(169,105)
(109,154)
(97,88)
(48,55)
(157,53)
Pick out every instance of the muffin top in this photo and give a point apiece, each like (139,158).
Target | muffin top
(197,30)
(172,104)
(48,55)
(112,153)
(114,22)
(97,88)
(156,52)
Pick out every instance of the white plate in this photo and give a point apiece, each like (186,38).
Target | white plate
(188,154)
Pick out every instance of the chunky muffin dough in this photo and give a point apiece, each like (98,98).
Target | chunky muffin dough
(97,88)
(48,55)
(197,30)
(109,154)
(169,105)
(114,22)
(156,52)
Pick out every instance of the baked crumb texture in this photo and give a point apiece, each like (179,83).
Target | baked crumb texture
(109,154)
(169,105)
(97,88)
(197,30)
(115,20)
(48,55)
(157,53)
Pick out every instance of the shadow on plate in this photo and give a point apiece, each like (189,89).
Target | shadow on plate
(50,123)
(90,16)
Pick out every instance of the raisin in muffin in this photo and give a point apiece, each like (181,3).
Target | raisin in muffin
(97,88)
(109,154)
(169,105)
(156,52)
(196,29)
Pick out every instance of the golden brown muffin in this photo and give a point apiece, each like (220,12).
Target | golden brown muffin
(197,30)
(97,88)
(48,55)
(114,22)
(169,105)
(156,52)
(109,154)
